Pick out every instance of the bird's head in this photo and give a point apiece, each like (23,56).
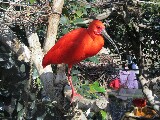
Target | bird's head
(96,28)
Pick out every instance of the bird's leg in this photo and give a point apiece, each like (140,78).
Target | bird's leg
(74,93)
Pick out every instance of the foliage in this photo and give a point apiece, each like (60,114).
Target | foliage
(74,13)
(86,89)
(128,23)
(93,59)
(104,115)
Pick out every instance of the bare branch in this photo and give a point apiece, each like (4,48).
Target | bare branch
(144,26)
(103,15)
(146,2)
(149,94)
(155,80)
(53,24)
(46,74)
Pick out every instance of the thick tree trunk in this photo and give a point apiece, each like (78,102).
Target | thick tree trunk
(46,75)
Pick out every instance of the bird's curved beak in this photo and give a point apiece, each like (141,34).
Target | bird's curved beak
(105,34)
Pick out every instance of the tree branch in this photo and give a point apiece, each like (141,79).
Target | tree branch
(53,21)
(145,2)
(149,94)
(156,80)
(46,75)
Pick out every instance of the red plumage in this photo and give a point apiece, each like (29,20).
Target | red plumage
(75,46)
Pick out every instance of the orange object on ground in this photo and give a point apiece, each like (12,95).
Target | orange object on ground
(146,112)
(140,103)
(76,46)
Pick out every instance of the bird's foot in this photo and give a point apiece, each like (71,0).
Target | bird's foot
(75,96)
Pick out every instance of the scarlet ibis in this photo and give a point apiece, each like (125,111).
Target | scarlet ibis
(76,46)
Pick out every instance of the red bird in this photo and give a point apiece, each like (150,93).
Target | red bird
(76,46)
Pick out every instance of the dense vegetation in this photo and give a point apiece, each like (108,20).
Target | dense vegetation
(133,25)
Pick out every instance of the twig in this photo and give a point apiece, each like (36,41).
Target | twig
(146,2)
(155,80)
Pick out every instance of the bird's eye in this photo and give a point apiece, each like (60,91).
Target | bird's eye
(98,27)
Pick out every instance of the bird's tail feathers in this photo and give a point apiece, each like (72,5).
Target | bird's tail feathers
(45,61)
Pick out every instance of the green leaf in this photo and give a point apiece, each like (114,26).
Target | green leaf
(96,88)
(32,96)
(52,114)
(96,84)
(19,107)
(92,87)
(64,31)
(22,68)
(63,20)
(77,20)
(35,73)
(94,9)
(93,59)
(88,6)
(79,13)
(100,89)
(38,82)
(42,117)
(31,1)
(33,105)
(103,114)
(84,12)
(20,114)
(91,115)
(92,90)
(84,86)
(75,72)
(75,79)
